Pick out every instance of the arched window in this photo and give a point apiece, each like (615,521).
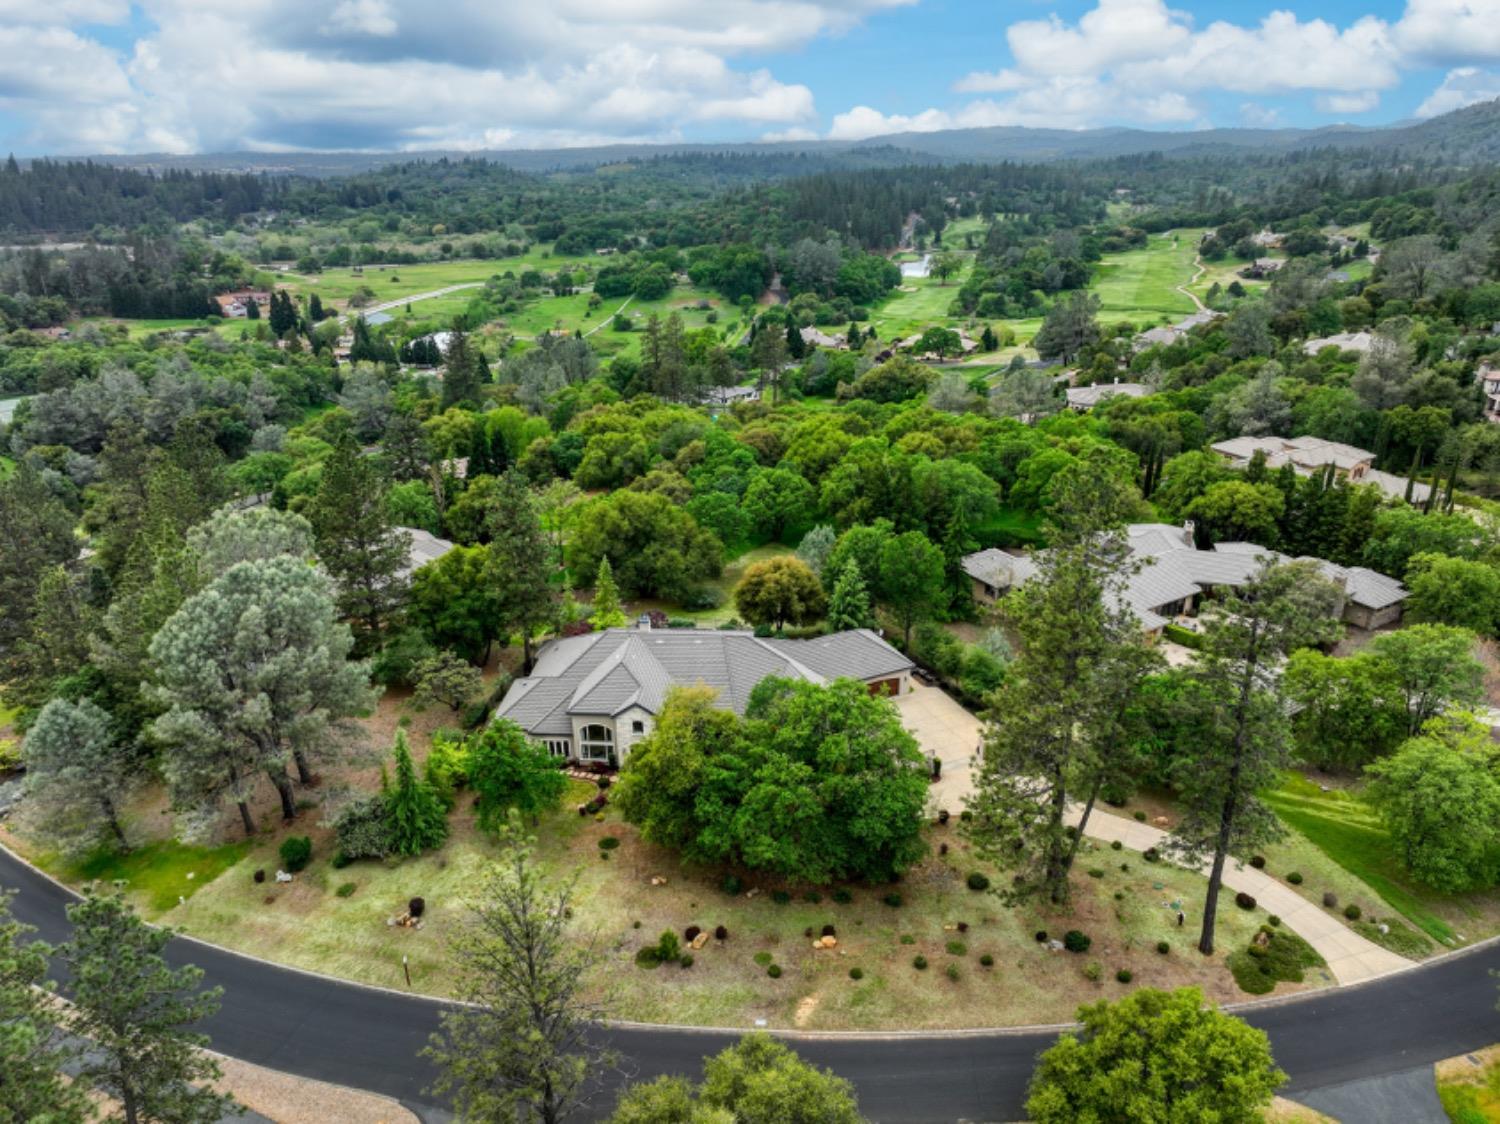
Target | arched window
(597,743)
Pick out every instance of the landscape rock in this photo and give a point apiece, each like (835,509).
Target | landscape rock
(283,876)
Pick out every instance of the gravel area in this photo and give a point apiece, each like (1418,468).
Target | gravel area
(296,1100)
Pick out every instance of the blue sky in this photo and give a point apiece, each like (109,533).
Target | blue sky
(87,76)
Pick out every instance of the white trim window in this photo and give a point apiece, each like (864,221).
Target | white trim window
(558,747)
(596,743)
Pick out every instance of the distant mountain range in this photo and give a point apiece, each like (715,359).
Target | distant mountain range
(1465,136)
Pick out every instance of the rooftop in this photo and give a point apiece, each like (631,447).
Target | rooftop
(605,673)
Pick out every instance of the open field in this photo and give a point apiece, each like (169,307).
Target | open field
(1140,285)
(1340,824)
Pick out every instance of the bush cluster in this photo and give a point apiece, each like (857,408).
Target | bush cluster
(1076,941)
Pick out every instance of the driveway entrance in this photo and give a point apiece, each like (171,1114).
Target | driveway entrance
(947,731)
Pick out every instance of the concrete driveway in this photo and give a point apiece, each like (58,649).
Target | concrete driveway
(947,731)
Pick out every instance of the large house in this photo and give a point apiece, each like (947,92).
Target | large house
(1308,455)
(1488,378)
(591,697)
(1084,398)
(1359,342)
(1170,576)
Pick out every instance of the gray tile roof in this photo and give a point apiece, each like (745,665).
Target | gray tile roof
(423,547)
(606,673)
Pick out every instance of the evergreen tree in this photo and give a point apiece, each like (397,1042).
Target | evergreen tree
(415,812)
(522,561)
(462,374)
(57,641)
(252,308)
(39,535)
(852,339)
(315,309)
(988,341)
(359,546)
(849,604)
(137,1014)
(1242,710)
(32,1086)
(526,1045)
(607,612)
(78,773)
(796,346)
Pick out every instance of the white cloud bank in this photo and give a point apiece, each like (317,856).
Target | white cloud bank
(1143,62)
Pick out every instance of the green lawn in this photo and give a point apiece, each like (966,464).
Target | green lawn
(1010,527)
(1346,829)
(156,874)
(1141,285)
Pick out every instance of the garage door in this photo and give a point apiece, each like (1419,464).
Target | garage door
(890,687)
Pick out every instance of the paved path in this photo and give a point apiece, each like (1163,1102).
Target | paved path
(1185,291)
(386,306)
(952,733)
(1409,1097)
(366,1038)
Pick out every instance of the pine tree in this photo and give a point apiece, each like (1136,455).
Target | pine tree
(418,821)
(252,308)
(853,339)
(607,611)
(462,377)
(521,561)
(32,1086)
(315,309)
(796,346)
(357,542)
(849,604)
(988,341)
(137,1015)
(78,772)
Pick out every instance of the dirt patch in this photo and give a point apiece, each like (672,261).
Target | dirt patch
(805,1008)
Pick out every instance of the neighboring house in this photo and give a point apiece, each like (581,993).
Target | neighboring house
(729,395)
(591,697)
(1167,335)
(1488,378)
(815,338)
(1360,342)
(235,305)
(1266,239)
(1261,268)
(425,547)
(1084,398)
(1170,577)
(1307,455)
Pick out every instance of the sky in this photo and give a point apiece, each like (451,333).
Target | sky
(181,76)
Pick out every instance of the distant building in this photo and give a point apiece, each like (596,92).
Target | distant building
(729,395)
(235,305)
(424,547)
(1307,455)
(1261,268)
(1165,336)
(815,338)
(1083,398)
(1488,378)
(1360,342)
(1169,577)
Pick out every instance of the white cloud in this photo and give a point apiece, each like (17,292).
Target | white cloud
(1347,103)
(287,74)
(1463,86)
(1449,31)
(1258,116)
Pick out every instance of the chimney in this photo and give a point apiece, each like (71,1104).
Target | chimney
(1188,529)
(643,623)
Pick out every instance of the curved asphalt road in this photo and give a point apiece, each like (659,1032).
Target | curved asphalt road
(370,1039)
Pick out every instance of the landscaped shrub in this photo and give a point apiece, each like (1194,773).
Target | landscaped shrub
(893,899)
(1075,941)
(951,971)
(1096,872)
(721,933)
(347,889)
(1294,877)
(1397,937)
(687,960)
(1163,947)
(1116,845)
(830,931)
(978,881)
(1330,899)
(1284,956)
(259,877)
(608,843)
(1258,862)
(1124,975)
(957,948)
(1151,855)
(774,971)
(842,896)
(668,947)
(1041,936)
(963,926)
(1273,921)
(295,852)
(363,829)
(807,932)
(1093,971)
(987,960)
(1352,911)
(690,934)
(1140,817)
(812,896)
(907,938)
(762,958)
(780,897)
(731,885)
(856,973)
(919,962)
(1244,900)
